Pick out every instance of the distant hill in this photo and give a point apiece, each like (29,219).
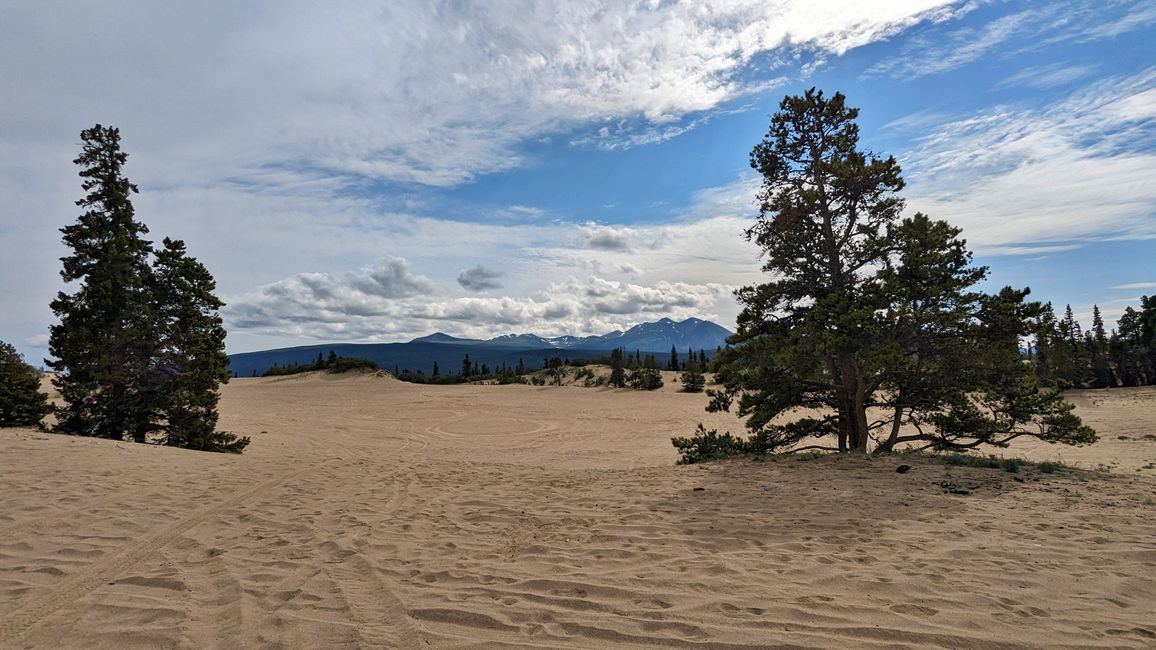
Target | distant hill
(447,351)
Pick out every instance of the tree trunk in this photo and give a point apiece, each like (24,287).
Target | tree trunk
(889,444)
(851,398)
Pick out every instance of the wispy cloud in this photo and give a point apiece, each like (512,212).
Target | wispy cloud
(941,48)
(1135,285)
(1024,180)
(1051,75)
(928,55)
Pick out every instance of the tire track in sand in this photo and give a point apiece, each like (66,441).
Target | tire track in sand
(22,619)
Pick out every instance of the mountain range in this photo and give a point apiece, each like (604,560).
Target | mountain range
(447,351)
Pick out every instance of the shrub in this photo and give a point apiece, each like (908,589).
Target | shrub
(692,380)
(345,364)
(645,379)
(1012,465)
(1048,467)
(21,402)
(711,445)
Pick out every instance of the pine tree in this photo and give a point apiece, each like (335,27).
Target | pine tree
(192,363)
(1127,353)
(1098,352)
(617,373)
(331,360)
(673,365)
(870,313)
(1052,357)
(21,402)
(467,367)
(436,372)
(692,378)
(105,340)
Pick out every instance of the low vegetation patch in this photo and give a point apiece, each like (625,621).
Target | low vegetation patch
(710,445)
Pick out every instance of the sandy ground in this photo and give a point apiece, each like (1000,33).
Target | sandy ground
(369,512)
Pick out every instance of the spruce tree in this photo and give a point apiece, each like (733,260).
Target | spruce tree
(21,402)
(105,340)
(692,378)
(1129,353)
(192,362)
(617,372)
(870,313)
(1098,352)
(673,365)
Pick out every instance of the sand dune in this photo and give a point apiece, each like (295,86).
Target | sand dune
(369,512)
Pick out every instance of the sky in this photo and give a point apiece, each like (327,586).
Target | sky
(377,171)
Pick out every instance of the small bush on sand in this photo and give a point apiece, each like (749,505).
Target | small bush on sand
(711,445)
(645,379)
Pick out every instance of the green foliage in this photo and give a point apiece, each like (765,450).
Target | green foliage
(346,364)
(21,402)
(711,445)
(1048,467)
(139,348)
(104,342)
(617,370)
(645,379)
(869,311)
(1064,357)
(692,378)
(191,361)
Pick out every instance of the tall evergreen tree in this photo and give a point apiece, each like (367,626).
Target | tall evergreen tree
(1052,357)
(105,340)
(867,311)
(617,371)
(21,402)
(1098,352)
(1128,352)
(191,363)
(673,364)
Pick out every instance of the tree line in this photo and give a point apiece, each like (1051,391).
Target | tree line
(1065,356)
(333,363)
(139,347)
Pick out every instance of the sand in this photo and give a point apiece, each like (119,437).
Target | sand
(373,513)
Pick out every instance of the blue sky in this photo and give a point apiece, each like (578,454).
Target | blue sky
(391,169)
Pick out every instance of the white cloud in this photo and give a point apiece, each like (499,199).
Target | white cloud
(939,53)
(322,306)
(1136,285)
(941,49)
(1051,75)
(407,91)
(1021,180)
